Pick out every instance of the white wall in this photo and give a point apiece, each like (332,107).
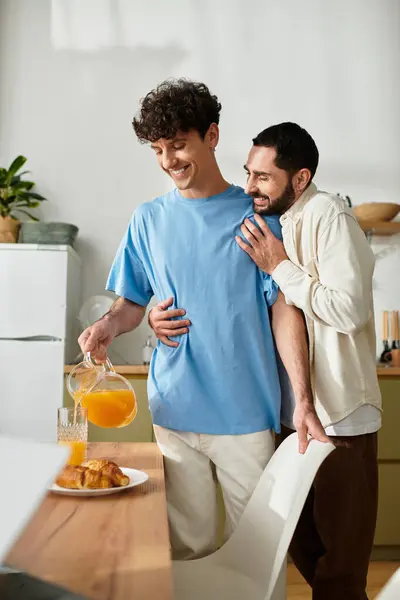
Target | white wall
(331,66)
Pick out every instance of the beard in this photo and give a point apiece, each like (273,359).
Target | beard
(277,206)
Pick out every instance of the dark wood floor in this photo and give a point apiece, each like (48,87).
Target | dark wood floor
(20,587)
(379,573)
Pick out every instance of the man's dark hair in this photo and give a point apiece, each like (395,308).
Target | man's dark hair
(176,105)
(294,146)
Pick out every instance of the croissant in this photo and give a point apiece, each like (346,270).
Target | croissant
(81,478)
(109,468)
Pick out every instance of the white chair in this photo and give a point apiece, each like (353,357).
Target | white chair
(252,561)
(391,591)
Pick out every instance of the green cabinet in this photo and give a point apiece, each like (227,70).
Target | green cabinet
(389,437)
(388,525)
(387,537)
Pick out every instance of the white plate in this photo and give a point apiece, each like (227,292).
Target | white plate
(136,478)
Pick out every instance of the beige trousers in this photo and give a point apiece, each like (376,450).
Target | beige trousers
(193,464)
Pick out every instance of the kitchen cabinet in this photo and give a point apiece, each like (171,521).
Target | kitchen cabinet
(387,537)
(388,525)
(389,435)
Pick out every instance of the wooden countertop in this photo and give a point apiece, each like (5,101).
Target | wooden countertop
(106,548)
(143,370)
(388,372)
(121,369)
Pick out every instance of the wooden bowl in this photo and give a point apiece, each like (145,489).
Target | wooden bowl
(376,211)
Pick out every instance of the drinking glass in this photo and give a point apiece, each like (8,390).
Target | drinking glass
(72,431)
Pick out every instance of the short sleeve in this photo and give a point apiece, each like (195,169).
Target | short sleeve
(127,277)
(273,223)
(270,289)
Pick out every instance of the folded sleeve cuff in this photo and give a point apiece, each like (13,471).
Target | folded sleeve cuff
(284,273)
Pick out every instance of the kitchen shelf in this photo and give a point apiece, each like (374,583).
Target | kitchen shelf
(380,227)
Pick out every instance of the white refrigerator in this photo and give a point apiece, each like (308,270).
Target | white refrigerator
(40,298)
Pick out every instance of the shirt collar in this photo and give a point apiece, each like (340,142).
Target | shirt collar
(294,212)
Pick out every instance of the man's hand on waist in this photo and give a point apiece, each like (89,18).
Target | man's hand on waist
(164,322)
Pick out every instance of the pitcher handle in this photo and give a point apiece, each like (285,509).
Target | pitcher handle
(107,364)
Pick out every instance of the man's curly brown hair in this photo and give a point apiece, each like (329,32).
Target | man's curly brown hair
(176,105)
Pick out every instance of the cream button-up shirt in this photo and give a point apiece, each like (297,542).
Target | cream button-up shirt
(329,277)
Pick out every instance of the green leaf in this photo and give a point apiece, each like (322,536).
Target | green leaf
(28,196)
(26,203)
(25,212)
(37,196)
(22,185)
(15,166)
(9,199)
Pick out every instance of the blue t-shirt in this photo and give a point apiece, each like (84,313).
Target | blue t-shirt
(222,378)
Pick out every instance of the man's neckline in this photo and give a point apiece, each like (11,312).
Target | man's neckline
(231,187)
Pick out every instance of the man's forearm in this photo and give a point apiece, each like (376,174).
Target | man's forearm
(340,295)
(125,315)
(335,308)
(291,340)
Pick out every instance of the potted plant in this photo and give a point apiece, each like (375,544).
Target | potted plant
(16,197)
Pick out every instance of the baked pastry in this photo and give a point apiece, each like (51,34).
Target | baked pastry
(108,468)
(81,478)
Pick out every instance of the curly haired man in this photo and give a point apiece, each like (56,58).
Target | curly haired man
(214,395)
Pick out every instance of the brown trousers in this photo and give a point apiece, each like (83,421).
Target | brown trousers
(332,543)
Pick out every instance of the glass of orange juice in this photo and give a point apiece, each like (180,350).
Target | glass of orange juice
(72,431)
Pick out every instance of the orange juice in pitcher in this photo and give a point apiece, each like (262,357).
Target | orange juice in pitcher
(108,397)
(110,408)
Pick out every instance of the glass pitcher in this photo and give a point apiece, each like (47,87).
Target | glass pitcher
(109,398)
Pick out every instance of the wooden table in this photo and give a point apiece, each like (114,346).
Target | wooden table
(106,548)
